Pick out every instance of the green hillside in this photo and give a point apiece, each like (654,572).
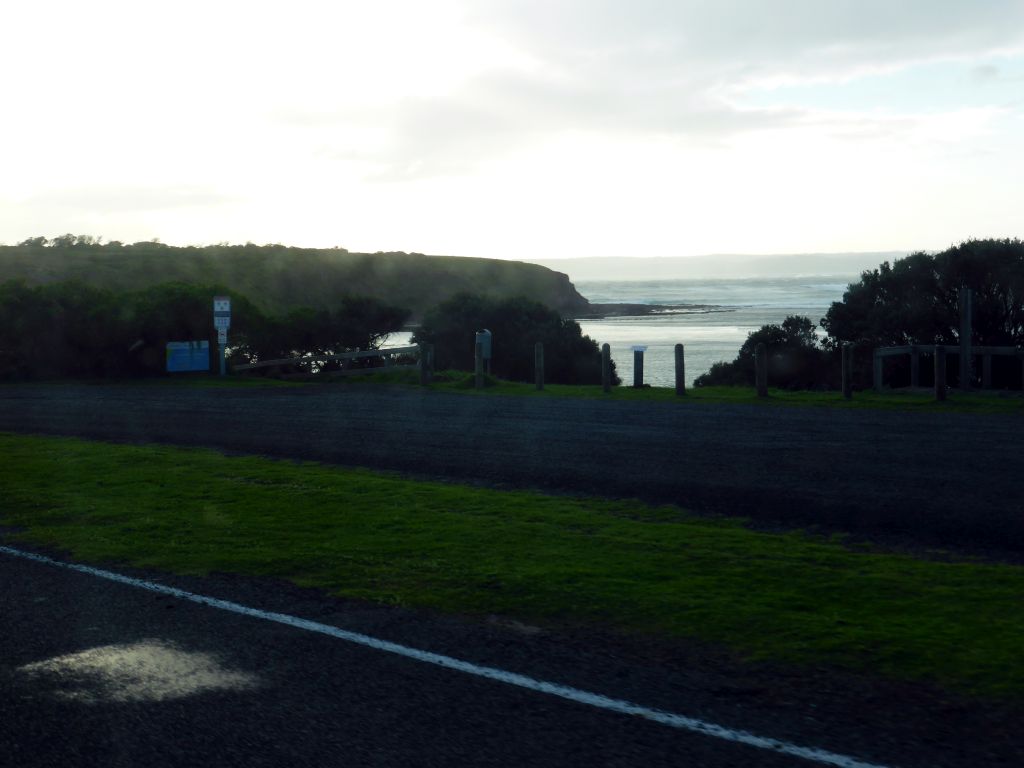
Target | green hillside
(280,278)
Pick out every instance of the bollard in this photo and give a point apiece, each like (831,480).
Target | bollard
(424,371)
(876,371)
(478,366)
(680,371)
(986,371)
(940,372)
(915,366)
(847,371)
(761,369)
(638,367)
(606,368)
(538,364)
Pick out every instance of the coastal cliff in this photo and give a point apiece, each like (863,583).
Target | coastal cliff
(281,278)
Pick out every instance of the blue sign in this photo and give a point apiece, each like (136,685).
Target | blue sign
(188,356)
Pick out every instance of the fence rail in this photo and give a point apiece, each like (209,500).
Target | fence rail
(916,350)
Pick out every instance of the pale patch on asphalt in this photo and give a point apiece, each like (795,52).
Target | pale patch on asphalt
(149,670)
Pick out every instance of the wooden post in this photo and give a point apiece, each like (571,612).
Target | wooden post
(424,370)
(876,370)
(478,366)
(986,371)
(966,368)
(940,372)
(538,364)
(606,368)
(847,371)
(680,371)
(915,366)
(761,369)
(638,368)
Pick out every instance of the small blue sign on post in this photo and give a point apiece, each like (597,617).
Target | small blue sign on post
(188,356)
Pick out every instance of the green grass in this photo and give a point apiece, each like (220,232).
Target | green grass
(902,400)
(622,566)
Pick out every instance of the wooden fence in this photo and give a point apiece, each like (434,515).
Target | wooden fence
(917,350)
(424,364)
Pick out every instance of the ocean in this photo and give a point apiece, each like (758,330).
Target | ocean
(740,306)
(729,310)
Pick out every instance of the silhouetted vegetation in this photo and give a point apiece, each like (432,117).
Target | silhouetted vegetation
(796,360)
(516,324)
(77,330)
(279,279)
(914,300)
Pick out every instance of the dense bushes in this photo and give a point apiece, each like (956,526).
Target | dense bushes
(72,329)
(516,324)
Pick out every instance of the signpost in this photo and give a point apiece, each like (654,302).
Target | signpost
(222,321)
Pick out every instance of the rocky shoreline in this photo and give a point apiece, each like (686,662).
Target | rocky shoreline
(603,311)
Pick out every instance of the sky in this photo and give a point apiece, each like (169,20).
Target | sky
(516,128)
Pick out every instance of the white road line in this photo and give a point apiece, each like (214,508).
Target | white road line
(492,673)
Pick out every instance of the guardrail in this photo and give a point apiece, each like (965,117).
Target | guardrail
(425,364)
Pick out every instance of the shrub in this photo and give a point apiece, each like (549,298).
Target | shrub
(517,324)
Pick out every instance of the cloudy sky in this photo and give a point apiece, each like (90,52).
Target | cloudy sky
(516,128)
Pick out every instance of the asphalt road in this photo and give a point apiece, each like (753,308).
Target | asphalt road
(164,682)
(100,674)
(940,477)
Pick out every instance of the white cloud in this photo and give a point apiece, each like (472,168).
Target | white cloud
(580,126)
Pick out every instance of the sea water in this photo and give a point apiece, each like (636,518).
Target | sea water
(729,310)
(716,318)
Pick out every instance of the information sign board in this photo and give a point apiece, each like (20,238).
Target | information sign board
(188,356)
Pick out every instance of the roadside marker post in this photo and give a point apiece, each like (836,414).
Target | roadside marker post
(638,366)
(680,371)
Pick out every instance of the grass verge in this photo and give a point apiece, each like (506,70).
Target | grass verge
(901,400)
(620,565)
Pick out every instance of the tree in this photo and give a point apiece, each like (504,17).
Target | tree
(915,300)
(356,323)
(795,358)
(517,324)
